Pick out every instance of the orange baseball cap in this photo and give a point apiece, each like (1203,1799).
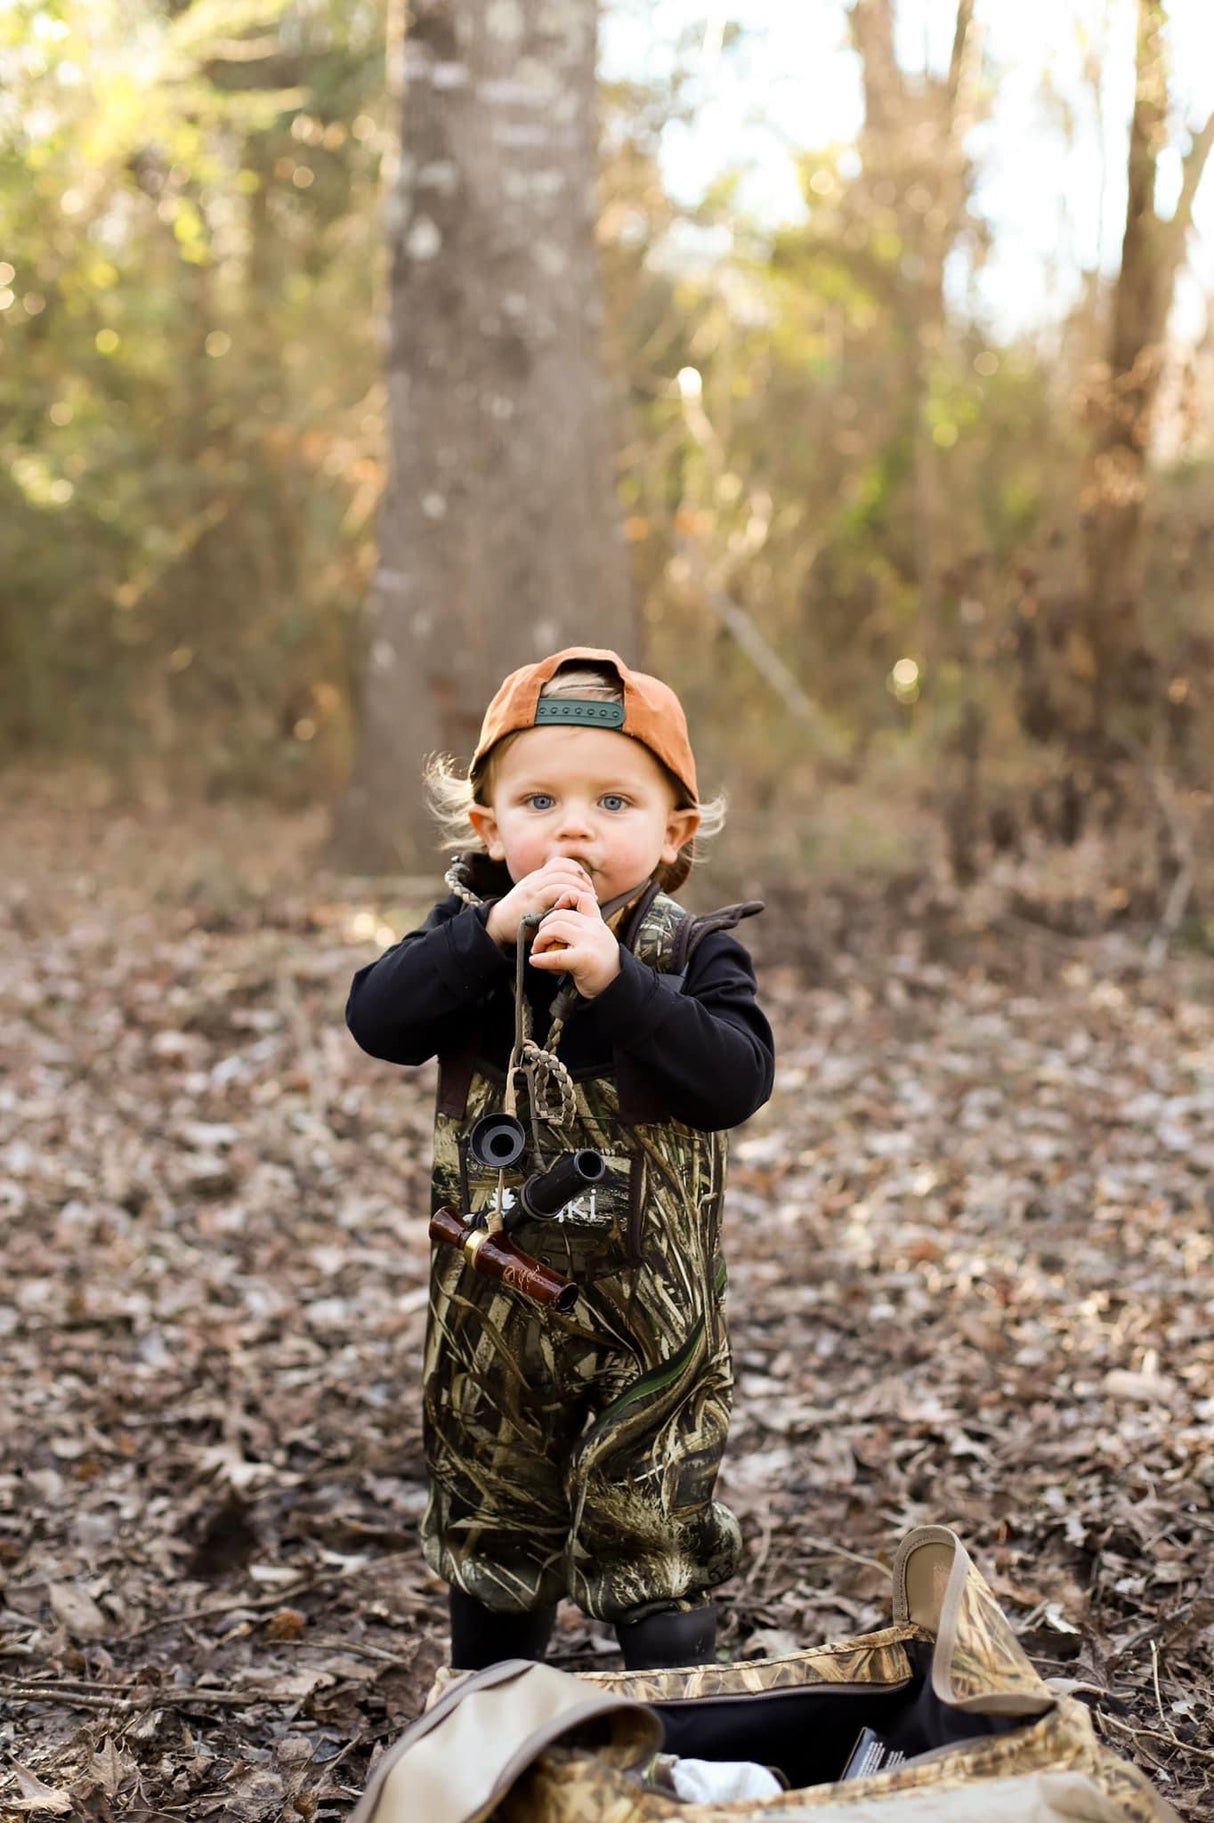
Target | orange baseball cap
(650,712)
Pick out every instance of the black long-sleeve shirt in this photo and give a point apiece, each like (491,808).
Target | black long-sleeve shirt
(700,1049)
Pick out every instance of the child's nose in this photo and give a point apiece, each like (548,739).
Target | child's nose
(575,818)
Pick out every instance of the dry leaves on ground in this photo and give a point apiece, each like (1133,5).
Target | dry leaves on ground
(971,1282)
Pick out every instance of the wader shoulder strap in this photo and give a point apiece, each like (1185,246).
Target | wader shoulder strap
(455,1072)
(693,930)
(666,936)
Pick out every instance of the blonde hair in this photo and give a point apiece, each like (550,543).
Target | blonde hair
(452,790)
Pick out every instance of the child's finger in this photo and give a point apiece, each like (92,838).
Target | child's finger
(559,951)
(559,890)
(565,864)
(571,899)
(563,931)
(579,900)
(552,936)
(568,892)
(555,958)
(558,873)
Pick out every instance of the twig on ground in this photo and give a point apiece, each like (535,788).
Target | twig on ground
(767,1531)
(390,1660)
(259,1604)
(836,1552)
(1155,1680)
(1156,1734)
(70,1695)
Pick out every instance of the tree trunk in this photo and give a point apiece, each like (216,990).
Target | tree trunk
(1122,409)
(912,147)
(499,537)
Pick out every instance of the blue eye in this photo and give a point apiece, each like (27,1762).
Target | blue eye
(541,800)
(611,800)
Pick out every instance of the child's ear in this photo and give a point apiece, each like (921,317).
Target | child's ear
(484,823)
(681,825)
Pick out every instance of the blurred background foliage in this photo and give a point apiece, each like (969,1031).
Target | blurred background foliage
(855,519)
(192,418)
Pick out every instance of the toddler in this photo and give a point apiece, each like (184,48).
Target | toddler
(575,1453)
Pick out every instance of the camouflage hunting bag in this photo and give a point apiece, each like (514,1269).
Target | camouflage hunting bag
(971,1733)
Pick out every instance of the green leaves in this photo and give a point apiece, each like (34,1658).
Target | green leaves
(185,357)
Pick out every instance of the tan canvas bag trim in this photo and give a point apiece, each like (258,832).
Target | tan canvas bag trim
(1030,1797)
(459,1759)
(931,1576)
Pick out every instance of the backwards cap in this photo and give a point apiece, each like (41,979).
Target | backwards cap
(650,712)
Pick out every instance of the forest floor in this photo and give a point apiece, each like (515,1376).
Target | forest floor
(972,1283)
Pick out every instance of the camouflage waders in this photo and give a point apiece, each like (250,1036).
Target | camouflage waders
(577,1455)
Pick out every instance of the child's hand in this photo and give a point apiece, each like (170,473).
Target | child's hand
(559,881)
(574,940)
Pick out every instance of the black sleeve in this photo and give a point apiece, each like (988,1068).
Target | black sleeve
(424,992)
(702,1045)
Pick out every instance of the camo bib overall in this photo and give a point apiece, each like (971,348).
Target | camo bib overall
(576,1455)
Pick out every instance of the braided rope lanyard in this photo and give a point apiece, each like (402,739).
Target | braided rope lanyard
(551,1096)
(453,880)
(455,883)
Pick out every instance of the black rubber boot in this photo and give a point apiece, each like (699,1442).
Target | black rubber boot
(672,1636)
(480,1636)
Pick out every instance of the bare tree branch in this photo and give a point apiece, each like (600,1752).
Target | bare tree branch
(1176,231)
(1194,167)
(1150,111)
(872,30)
(763,656)
(1140,301)
(956,62)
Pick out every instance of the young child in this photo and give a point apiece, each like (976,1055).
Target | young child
(576,1454)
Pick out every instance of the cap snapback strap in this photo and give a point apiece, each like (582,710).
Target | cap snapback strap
(578,712)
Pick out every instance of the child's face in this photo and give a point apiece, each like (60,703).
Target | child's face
(588,794)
